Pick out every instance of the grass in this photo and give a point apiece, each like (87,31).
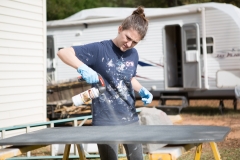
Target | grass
(225,152)
(208,113)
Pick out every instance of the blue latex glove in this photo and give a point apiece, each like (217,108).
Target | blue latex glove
(89,75)
(146,95)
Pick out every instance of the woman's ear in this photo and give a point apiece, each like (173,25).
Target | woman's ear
(119,29)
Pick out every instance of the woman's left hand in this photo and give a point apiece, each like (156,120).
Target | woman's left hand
(145,95)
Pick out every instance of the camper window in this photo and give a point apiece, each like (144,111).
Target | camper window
(209,43)
(209,40)
(191,44)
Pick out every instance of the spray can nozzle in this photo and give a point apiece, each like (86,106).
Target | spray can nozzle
(100,85)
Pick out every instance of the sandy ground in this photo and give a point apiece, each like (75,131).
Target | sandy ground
(207,113)
(230,121)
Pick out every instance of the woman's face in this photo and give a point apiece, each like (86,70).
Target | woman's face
(127,39)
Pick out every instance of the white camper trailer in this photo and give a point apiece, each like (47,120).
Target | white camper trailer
(191,50)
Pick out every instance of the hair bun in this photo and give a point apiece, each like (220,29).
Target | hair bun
(139,11)
(136,21)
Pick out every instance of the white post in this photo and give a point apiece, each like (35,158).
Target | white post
(3,136)
(51,147)
(204,47)
(27,131)
(83,122)
(75,124)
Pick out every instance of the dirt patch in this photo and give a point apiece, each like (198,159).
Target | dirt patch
(229,121)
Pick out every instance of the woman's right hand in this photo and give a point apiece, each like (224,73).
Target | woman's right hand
(88,74)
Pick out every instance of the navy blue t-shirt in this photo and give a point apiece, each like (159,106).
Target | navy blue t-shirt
(116,106)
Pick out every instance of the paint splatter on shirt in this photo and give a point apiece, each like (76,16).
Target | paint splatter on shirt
(116,106)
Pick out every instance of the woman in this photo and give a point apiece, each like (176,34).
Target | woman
(116,61)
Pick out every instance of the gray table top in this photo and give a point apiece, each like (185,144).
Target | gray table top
(165,134)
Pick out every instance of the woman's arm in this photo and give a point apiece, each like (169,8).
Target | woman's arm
(143,92)
(67,55)
(136,85)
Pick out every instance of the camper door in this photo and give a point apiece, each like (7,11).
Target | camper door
(191,56)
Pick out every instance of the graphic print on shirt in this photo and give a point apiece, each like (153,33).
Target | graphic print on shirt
(122,77)
(119,90)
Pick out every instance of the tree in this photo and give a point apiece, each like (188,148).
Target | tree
(234,2)
(60,9)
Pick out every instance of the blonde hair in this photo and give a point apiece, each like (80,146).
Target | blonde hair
(136,21)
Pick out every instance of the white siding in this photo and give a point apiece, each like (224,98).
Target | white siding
(22,62)
(226,34)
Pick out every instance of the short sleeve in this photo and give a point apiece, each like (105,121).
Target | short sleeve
(136,62)
(87,53)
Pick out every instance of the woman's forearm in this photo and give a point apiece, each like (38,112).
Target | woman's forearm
(136,85)
(67,55)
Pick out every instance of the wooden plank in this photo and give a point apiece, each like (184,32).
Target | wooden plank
(81,152)
(15,151)
(66,151)
(21,29)
(21,13)
(20,36)
(21,6)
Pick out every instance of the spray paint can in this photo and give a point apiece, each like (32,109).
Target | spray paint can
(90,93)
(85,96)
